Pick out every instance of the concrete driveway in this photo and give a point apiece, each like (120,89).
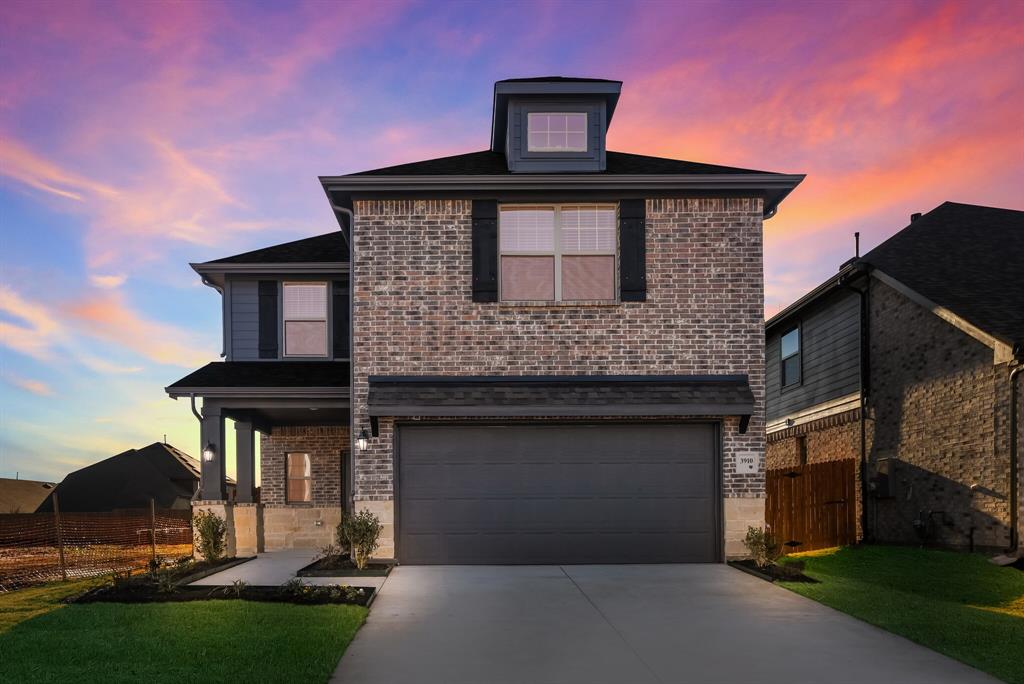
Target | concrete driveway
(621,624)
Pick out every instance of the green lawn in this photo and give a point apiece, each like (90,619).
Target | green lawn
(955,603)
(42,640)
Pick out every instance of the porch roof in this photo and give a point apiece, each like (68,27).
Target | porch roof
(299,379)
(540,395)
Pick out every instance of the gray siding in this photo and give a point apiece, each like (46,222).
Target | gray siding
(520,159)
(830,348)
(243,315)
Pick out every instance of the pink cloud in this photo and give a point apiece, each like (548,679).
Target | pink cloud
(37,387)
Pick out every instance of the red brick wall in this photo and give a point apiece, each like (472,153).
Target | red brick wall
(324,445)
(414,314)
(941,407)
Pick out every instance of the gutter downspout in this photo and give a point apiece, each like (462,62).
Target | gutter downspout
(223,328)
(1014,456)
(865,382)
(349,482)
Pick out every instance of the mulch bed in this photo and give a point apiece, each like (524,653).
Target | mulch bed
(343,567)
(789,572)
(307,595)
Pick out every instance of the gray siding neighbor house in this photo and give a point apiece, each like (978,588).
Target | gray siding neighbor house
(908,362)
(525,354)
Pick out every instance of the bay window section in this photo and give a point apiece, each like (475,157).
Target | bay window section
(557,253)
(305,319)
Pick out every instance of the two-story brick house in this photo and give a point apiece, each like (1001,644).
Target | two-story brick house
(556,351)
(907,361)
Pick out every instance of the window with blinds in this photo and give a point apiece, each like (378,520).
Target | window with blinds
(557,253)
(305,319)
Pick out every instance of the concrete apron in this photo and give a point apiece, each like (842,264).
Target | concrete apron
(625,623)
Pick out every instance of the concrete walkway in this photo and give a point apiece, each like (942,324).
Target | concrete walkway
(277,567)
(626,623)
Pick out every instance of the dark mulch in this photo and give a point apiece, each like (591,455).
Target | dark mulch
(341,566)
(139,592)
(788,572)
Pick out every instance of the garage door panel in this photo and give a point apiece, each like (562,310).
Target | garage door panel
(557,494)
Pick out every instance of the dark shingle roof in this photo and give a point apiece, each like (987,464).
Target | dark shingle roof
(488,163)
(267,374)
(966,258)
(557,79)
(559,395)
(322,248)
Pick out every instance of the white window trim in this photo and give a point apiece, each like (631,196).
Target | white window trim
(586,130)
(557,253)
(326,319)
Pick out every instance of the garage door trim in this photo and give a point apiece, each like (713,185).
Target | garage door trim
(719,548)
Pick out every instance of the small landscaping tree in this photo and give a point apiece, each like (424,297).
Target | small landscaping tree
(362,532)
(762,545)
(211,535)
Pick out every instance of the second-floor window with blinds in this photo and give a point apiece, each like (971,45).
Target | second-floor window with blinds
(305,319)
(557,253)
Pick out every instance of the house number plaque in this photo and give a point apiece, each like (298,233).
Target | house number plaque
(746,463)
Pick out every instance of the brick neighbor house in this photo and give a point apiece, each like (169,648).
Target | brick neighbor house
(543,352)
(907,361)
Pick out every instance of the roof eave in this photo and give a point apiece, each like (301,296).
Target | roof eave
(217,271)
(776,186)
(259,392)
(835,282)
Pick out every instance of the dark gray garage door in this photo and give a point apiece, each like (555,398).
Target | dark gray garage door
(611,493)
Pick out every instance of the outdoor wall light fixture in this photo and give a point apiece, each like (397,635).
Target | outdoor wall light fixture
(209,452)
(362,440)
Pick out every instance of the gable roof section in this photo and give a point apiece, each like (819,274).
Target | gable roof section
(488,163)
(326,248)
(967,259)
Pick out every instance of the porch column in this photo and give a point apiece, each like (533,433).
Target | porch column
(213,475)
(245,463)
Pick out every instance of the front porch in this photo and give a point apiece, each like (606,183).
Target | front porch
(301,412)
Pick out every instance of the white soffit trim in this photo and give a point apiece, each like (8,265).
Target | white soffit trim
(1002,352)
(822,410)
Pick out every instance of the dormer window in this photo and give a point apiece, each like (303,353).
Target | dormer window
(557,131)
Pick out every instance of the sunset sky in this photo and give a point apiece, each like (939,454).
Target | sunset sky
(137,137)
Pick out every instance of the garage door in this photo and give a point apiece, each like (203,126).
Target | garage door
(609,493)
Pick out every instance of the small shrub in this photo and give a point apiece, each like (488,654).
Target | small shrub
(238,588)
(211,533)
(330,554)
(763,547)
(165,583)
(294,586)
(362,530)
(121,579)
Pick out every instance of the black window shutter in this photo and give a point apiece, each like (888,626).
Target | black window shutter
(341,320)
(268,319)
(485,250)
(632,250)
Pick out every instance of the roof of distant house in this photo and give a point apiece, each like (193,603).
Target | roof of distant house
(22,496)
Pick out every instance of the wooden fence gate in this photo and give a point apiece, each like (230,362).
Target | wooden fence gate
(813,506)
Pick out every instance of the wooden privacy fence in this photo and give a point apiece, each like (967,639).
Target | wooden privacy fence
(813,506)
(42,547)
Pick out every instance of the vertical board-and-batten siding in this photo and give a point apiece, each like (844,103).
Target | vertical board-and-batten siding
(830,345)
(244,315)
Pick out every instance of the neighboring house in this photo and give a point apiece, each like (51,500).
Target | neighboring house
(924,335)
(160,472)
(543,352)
(22,496)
